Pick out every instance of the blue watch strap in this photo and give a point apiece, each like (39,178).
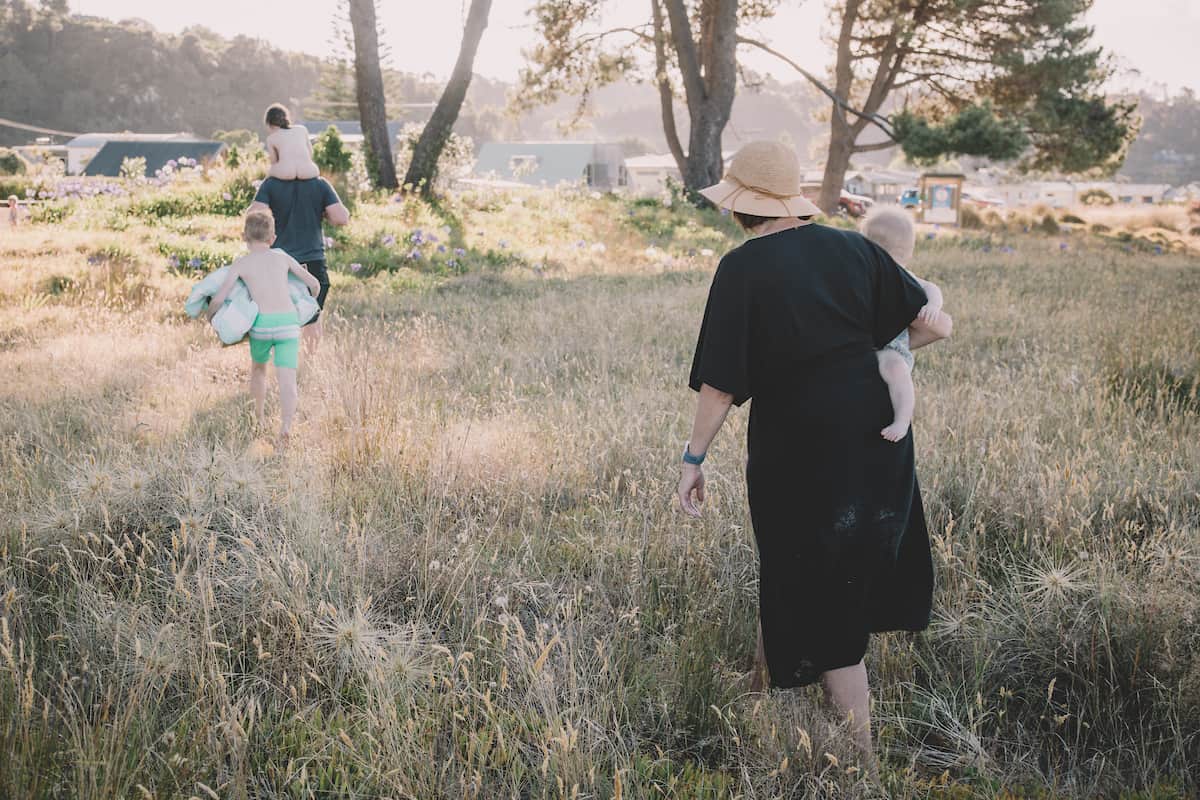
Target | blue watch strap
(688,458)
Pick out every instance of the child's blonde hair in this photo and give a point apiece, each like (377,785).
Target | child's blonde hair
(12,199)
(260,227)
(892,229)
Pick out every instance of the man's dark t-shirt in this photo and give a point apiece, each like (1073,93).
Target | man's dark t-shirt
(298,208)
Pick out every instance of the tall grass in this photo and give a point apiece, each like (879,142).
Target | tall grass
(467,578)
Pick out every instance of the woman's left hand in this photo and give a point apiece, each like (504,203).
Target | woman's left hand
(691,489)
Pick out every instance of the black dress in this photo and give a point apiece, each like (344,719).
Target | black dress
(793,320)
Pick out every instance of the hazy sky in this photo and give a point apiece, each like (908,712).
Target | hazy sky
(1154,46)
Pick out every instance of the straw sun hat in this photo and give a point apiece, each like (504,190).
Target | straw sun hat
(763,179)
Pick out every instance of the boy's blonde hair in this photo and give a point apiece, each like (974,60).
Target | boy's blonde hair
(260,227)
(12,198)
(892,229)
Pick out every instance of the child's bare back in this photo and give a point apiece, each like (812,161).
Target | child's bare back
(265,272)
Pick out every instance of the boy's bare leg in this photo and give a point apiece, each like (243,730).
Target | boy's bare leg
(288,400)
(847,689)
(898,377)
(258,389)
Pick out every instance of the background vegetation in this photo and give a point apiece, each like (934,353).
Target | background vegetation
(468,579)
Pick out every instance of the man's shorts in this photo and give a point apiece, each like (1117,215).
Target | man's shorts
(278,332)
(319,271)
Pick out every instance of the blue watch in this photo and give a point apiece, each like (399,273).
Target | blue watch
(688,458)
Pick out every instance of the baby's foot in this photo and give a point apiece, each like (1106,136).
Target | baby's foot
(895,432)
(281,444)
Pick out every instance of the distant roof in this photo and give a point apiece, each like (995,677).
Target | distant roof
(551,162)
(98,139)
(652,161)
(108,161)
(347,127)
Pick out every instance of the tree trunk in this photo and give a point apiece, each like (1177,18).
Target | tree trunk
(841,148)
(422,170)
(372,107)
(710,82)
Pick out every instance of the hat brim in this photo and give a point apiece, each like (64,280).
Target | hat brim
(735,197)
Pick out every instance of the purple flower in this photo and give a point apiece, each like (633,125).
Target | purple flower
(173,261)
(328,242)
(204,237)
(226,196)
(93,260)
(415,254)
(172,163)
(1158,250)
(503,244)
(441,248)
(453,262)
(388,240)
(1062,246)
(195,263)
(931,235)
(417,237)
(580,244)
(458,251)
(431,239)
(355,267)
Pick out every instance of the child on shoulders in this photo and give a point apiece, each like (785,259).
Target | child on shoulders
(288,147)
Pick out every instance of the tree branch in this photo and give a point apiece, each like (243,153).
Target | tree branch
(874,146)
(685,49)
(666,96)
(878,120)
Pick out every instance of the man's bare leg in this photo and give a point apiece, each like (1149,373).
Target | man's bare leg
(289,398)
(847,689)
(312,334)
(898,376)
(258,390)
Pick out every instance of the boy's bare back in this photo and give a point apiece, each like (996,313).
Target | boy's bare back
(265,272)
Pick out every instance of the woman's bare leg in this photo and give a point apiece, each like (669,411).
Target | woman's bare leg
(847,689)
(258,389)
(758,673)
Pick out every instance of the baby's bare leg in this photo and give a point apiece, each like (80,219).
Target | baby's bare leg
(258,389)
(898,377)
(289,398)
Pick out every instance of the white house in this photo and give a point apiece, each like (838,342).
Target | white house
(83,148)
(599,166)
(881,185)
(648,174)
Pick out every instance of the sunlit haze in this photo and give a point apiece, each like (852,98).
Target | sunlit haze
(1152,47)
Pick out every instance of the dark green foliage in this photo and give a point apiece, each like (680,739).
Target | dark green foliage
(57,70)
(1049,225)
(11,163)
(974,131)
(228,200)
(1096,197)
(330,153)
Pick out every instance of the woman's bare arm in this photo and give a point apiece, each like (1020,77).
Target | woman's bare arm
(711,410)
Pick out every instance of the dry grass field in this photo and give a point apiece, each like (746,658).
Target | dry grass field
(467,578)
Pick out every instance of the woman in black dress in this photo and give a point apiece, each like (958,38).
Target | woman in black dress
(794,317)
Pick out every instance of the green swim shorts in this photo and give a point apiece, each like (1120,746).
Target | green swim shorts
(280,332)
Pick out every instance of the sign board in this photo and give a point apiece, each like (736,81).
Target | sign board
(942,196)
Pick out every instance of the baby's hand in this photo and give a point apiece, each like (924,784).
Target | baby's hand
(929,312)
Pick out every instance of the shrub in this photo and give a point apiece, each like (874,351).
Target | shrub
(1049,225)
(11,163)
(133,168)
(1195,231)
(993,218)
(1100,228)
(1071,219)
(970,219)
(330,153)
(1096,197)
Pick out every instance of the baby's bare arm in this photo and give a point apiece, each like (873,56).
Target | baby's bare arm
(218,299)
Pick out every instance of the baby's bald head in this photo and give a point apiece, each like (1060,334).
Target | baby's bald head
(892,229)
